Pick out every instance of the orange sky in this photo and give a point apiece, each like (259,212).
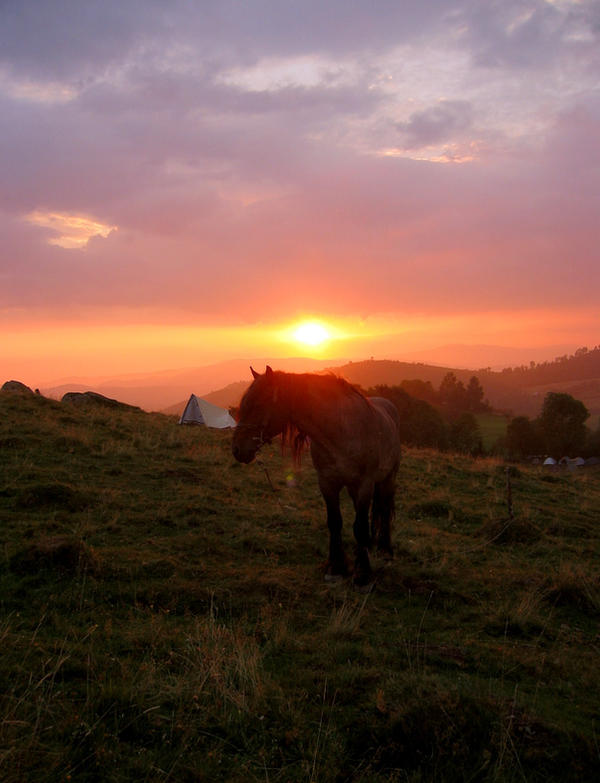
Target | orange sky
(41,354)
(183,185)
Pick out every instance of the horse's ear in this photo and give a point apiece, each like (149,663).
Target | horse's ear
(255,374)
(268,371)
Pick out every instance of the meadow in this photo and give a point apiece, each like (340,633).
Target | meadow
(164,617)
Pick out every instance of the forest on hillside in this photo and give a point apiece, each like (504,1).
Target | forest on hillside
(584,364)
(514,391)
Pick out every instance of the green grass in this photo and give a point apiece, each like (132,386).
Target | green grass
(164,615)
(492,427)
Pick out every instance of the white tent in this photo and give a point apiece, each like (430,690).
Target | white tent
(199,411)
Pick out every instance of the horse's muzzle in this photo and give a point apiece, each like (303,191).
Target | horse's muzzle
(243,454)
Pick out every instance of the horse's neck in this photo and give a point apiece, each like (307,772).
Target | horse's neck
(309,412)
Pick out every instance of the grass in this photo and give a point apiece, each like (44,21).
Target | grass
(163,615)
(492,427)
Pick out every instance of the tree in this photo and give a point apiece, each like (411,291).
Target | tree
(457,398)
(421,390)
(562,424)
(452,392)
(592,445)
(474,397)
(522,438)
(420,423)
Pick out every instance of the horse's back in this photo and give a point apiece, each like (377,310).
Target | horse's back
(387,407)
(361,441)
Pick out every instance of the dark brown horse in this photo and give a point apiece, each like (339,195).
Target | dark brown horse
(354,443)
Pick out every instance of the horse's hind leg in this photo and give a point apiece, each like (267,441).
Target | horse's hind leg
(361,497)
(382,515)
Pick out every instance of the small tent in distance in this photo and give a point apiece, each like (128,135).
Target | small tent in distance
(199,411)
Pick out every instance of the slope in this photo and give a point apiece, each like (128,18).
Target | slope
(164,615)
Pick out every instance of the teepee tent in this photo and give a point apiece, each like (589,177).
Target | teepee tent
(199,411)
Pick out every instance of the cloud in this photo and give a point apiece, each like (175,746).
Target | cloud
(436,124)
(529,34)
(242,154)
(74,231)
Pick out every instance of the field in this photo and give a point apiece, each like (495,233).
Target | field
(492,428)
(164,615)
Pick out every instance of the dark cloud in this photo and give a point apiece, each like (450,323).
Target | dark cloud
(66,39)
(527,34)
(436,124)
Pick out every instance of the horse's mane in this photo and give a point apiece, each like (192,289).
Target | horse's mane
(327,385)
(295,440)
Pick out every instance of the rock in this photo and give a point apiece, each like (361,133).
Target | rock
(16,387)
(93,398)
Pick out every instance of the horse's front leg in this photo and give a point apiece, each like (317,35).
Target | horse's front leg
(336,564)
(361,497)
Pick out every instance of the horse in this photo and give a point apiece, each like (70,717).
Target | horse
(354,444)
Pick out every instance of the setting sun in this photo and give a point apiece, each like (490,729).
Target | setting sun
(311,333)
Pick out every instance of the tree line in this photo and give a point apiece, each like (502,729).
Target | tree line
(584,364)
(440,418)
(444,419)
(559,431)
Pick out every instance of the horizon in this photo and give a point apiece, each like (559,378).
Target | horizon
(306,363)
(188,185)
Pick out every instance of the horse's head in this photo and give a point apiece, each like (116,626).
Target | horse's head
(261,416)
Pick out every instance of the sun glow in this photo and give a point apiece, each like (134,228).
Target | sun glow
(311,333)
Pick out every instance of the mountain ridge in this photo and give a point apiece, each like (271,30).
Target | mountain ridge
(518,389)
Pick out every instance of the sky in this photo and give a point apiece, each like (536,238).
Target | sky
(187,181)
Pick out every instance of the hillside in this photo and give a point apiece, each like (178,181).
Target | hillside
(519,389)
(164,615)
(391,373)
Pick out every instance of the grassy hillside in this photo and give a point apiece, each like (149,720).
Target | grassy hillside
(164,616)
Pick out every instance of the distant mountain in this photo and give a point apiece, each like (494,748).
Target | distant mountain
(159,390)
(518,389)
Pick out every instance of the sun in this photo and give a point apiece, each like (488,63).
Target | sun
(311,333)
